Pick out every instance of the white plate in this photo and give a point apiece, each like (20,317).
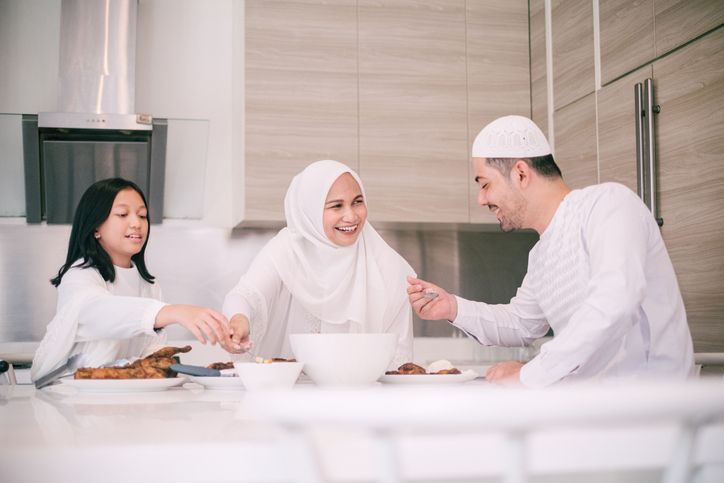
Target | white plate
(123,385)
(429,378)
(226,383)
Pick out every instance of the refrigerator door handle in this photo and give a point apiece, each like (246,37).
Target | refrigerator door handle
(640,152)
(652,109)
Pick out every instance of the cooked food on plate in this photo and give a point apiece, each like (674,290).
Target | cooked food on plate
(440,367)
(154,366)
(261,360)
(220,366)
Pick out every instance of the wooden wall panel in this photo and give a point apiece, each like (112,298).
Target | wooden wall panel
(690,89)
(573,66)
(412,119)
(679,21)
(617,129)
(498,73)
(538,69)
(627,36)
(301,94)
(575,151)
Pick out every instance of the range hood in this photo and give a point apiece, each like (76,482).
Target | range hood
(95,132)
(96,68)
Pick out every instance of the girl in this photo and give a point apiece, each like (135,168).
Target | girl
(327,271)
(109,307)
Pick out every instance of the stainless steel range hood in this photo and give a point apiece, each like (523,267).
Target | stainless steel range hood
(95,133)
(96,71)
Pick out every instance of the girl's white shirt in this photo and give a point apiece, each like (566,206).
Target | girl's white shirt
(301,282)
(103,321)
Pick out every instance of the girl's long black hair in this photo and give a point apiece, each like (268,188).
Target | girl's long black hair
(93,209)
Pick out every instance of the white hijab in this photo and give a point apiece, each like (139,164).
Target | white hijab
(336,284)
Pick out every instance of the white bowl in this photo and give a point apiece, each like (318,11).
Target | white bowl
(277,375)
(344,359)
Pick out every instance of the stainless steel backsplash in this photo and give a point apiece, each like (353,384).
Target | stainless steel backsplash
(198,265)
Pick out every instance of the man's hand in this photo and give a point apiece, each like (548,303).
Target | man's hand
(506,373)
(428,305)
(240,341)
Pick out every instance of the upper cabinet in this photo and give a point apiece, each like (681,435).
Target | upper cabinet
(575,134)
(498,75)
(412,102)
(301,95)
(679,21)
(396,89)
(573,52)
(538,69)
(627,36)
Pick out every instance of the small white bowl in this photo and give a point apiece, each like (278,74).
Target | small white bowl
(277,375)
(344,359)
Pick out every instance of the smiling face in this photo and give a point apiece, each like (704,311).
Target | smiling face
(500,194)
(124,232)
(345,211)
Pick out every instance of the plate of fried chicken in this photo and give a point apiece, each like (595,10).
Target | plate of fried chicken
(439,372)
(151,373)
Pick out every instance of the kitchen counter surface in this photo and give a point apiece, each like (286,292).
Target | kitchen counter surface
(435,432)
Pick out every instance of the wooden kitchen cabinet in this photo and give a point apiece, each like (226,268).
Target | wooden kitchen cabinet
(538,69)
(689,87)
(498,75)
(575,149)
(617,129)
(573,64)
(301,95)
(412,100)
(397,89)
(679,21)
(626,36)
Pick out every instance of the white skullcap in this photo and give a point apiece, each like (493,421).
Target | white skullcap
(511,137)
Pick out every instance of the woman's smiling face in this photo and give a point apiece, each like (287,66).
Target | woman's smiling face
(345,211)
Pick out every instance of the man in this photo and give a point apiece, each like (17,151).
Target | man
(599,276)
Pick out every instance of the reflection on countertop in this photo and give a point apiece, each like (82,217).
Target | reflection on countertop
(194,435)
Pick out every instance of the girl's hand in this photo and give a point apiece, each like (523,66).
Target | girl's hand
(240,341)
(206,324)
(428,305)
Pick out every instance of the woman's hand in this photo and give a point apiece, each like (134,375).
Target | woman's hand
(442,306)
(240,333)
(206,324)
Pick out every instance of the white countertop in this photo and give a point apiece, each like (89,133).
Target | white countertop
(191,434)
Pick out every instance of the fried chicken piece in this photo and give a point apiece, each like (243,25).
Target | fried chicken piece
(410,368)
(219,366)
(154,366)
(169,351)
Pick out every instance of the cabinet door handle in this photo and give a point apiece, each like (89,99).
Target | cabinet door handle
(640,152)
(646,175)
(651,109)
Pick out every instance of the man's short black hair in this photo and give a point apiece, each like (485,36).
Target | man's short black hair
(544,165)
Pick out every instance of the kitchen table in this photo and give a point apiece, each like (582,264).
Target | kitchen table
(625,432)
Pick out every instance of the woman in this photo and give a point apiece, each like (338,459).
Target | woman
(327,271)
(109,307)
